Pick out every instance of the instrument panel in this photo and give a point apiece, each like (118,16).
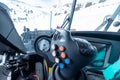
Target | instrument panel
(42,45)
(106,47)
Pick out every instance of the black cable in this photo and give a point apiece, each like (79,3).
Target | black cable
(52,74)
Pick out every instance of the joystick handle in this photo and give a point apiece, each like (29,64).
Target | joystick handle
(70,54)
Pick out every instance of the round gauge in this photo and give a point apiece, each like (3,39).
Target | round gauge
(44,45)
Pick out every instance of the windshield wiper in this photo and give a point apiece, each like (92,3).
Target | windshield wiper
(105,21)
(117,11)
(68,21)
(109,21)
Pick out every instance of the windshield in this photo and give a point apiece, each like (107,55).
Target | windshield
(90,15)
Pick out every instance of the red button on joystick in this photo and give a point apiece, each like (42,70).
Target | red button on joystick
(63,55)
(61,48)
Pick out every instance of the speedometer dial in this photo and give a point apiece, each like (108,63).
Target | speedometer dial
(44,45)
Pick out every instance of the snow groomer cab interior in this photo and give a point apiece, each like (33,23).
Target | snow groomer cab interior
(59,40)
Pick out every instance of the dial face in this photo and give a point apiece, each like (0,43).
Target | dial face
(44,45)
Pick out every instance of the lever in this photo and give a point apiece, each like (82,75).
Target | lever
(70,54)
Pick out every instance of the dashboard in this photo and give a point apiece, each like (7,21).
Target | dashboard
(107,44)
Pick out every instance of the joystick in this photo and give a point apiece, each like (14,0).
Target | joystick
(70,54)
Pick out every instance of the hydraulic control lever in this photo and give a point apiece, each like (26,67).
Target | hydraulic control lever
(70,54)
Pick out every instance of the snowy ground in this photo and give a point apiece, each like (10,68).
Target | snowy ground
(84,19)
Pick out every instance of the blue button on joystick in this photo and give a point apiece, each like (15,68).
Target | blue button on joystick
(67,61)
(62,65)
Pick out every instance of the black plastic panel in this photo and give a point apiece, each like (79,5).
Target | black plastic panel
(8,34)
(109,38)
(5,25)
